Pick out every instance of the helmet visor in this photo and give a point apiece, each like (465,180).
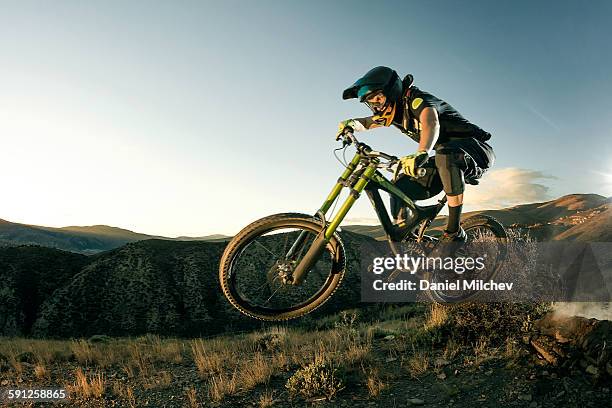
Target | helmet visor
(376,101)
(366,91)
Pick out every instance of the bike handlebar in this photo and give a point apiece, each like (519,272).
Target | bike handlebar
(349,138)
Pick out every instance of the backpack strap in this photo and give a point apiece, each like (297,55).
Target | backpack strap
(407,82)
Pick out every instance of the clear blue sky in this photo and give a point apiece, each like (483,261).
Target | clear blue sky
(191,118)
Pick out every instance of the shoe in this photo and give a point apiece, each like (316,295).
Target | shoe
(459,236)
(449,243)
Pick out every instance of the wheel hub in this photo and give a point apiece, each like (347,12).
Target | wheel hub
(281,271)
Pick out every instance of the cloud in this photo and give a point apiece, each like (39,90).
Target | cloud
(507,187)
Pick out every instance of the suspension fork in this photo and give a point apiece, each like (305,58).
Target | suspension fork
(336,190)
(319,243)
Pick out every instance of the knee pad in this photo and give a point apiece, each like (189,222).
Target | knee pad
(449,163)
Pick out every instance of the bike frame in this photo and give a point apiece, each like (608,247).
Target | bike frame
(362,174)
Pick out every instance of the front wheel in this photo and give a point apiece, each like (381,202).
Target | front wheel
(254,270)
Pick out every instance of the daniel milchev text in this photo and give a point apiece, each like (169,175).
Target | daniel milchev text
(412,264)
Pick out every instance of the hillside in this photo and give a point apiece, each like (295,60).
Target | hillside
(575,216)
(583,217)
(28,277)
(81,239)
(152,286)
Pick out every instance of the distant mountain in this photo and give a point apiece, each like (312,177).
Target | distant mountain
(210,238)
(585,217)
(575,217)
(85,240)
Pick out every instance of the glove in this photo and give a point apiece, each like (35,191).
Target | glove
(351,124)
(412,162)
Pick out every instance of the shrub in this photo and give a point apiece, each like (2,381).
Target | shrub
(318,379)
(99,338)
(491,322)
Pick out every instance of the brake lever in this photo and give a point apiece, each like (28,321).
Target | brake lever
(396,172)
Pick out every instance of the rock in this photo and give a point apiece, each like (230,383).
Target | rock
(441,376)
(415,401)
(542,350)
(592,370)
(4,382)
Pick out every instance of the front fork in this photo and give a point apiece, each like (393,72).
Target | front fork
(319,243)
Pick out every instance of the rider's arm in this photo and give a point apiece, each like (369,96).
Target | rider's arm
(368,122)
(430,129)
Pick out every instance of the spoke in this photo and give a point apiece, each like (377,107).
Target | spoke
(265,283)
(284,251)
(264,247)
(304,245)
(271,296)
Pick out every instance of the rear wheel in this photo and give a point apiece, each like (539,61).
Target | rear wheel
(487,239)
(254,269)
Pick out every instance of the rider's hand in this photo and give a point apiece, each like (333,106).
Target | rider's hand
(349,124)
(412,162)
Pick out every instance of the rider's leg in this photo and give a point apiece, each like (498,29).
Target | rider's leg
(448,162)
(417,189)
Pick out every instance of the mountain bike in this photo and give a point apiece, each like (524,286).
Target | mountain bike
(286,265)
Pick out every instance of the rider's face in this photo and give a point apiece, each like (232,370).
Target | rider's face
(377,101)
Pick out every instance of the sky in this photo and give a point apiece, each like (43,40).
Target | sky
(196,118)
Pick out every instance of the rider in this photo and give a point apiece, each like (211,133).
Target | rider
(461,152)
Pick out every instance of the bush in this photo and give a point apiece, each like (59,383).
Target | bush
(99,338)
(493,322)
(317,379)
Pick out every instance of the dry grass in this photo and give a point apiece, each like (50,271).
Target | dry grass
(125,392)
(266,399)
(418,364)
(84,387)
(481,351)
(192,398)
(358,353)
(374,382)
(221,386)
(247,363)
(436,316)
(211,357)
(137,362)
(255,372)
(84,352)
(511,349)
(163,379)
(40,371)
(451,349)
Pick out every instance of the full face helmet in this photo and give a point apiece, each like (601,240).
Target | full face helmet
(380,88)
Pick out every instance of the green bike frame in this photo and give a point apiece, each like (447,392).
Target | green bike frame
(360,172)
